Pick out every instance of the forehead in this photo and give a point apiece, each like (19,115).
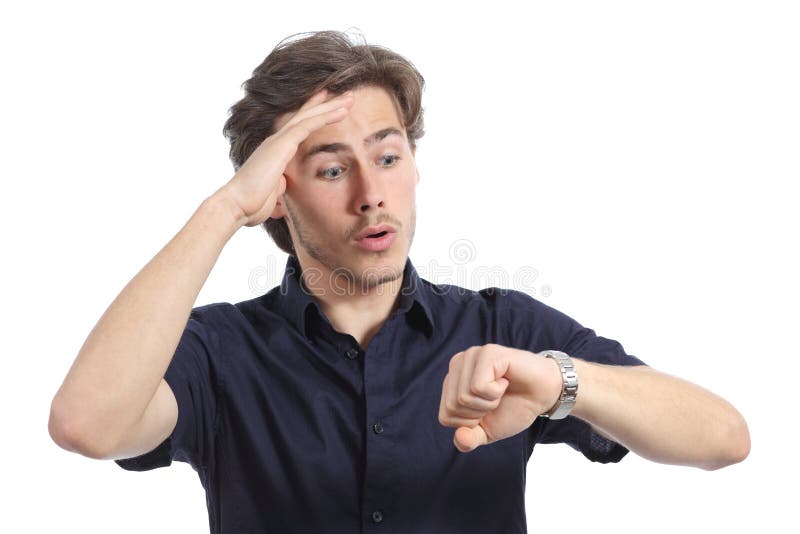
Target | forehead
(373,109)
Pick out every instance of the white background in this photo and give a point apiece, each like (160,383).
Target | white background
(638,155)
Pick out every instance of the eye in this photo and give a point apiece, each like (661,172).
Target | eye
(389,159)
(331,172)
(336,172)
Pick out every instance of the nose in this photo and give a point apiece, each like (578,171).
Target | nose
(369,194)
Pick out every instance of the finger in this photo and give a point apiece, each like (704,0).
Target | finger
(454,412)
(473,391)
(343,100)
(449,412)
(467,439)
(297,133)
(443,402)
(316,98)
(457,410)
(487,379)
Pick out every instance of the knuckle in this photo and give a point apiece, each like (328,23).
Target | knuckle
(477,389)
(446,420)
(463,399)
(453,362)
(300,129)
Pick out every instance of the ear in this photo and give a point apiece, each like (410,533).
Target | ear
(279,211)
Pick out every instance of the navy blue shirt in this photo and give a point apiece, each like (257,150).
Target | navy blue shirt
(292,427)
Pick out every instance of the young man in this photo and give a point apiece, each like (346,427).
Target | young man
(329,404)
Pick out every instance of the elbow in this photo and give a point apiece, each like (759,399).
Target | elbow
(735,445)
(57,427)
(65,432)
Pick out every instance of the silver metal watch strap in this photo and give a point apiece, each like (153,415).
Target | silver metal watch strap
(569,389)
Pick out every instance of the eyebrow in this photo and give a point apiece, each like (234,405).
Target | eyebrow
(371,139)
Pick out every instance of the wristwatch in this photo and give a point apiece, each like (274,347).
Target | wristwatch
(569,389)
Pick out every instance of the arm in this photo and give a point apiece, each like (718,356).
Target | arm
(492,392)
(114,400)
(124,358)
(660,417)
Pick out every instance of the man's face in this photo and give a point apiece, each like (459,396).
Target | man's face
(345,178)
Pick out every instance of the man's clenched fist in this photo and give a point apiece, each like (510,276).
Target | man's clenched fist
(492,392)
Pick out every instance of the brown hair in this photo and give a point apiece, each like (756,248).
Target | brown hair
(300,66)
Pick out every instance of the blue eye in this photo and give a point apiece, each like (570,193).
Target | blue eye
(394,158)
(327,173)
(336,172)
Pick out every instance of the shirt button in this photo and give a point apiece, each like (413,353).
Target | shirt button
(351,353)
(377,516)
(378,428)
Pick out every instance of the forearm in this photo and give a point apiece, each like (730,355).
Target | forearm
(124,358)
(660,417)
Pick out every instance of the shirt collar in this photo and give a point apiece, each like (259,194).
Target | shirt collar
(298,304)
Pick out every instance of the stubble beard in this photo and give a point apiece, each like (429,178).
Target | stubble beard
(344,278)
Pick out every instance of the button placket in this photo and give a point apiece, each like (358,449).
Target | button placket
(379,488)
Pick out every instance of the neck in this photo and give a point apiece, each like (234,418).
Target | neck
(357,304)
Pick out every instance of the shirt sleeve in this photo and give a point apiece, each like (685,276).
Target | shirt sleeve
(194,379)
(536,326)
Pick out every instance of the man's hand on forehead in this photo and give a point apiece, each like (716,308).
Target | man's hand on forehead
(254,190)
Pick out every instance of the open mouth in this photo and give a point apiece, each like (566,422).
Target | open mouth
(379,234)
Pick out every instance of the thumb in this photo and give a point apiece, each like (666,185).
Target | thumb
(467,439)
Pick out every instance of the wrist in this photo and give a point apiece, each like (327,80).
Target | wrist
(585,371)
(223,204)
(218,216)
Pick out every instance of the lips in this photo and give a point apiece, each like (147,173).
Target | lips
(375,231)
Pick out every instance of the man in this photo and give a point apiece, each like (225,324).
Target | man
(356,395)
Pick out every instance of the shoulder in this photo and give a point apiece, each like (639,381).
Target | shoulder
(214,320)
(213,313)
(216,312)
(516,315)
(492,299)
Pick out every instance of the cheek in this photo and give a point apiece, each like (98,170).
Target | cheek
(317,206)
(406,192)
